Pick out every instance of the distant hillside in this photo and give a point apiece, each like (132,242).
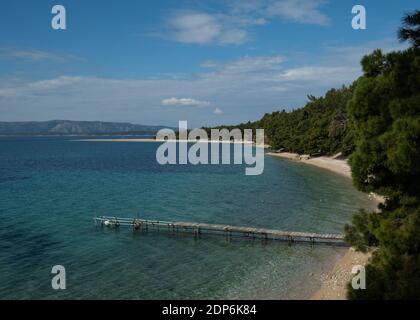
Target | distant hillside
(67,127)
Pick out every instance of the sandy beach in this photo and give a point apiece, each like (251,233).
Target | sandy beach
(336,165)
(335,282)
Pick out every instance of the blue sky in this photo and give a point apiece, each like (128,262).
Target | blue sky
(158,62)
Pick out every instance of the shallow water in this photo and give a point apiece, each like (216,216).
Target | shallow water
(51,188)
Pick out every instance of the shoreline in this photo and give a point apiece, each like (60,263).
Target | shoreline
(335,165)
(334,283)
(338,166)
(152,140)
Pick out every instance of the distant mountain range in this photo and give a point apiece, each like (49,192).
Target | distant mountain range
(68,127)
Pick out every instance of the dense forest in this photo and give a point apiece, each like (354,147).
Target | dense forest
(385,115)
(320,127)
(377,122)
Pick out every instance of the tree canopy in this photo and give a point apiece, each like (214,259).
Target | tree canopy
(385,116)
(411,29)
(320,127)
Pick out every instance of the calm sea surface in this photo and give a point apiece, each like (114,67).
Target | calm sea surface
(51,188)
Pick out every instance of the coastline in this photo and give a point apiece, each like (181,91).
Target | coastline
(334,283)
(339,166)
(264,146)
(335,165)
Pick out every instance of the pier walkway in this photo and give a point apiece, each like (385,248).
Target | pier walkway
(220,229)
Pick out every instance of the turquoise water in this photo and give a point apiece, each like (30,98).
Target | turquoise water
(51,188)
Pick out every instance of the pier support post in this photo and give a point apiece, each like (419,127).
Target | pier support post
(265,238)
(228,235)
(196,233)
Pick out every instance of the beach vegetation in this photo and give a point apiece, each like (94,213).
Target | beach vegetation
(319,128)
(384,113)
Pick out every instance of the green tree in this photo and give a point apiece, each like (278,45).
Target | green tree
(384,113)
(320,127)
(411,29)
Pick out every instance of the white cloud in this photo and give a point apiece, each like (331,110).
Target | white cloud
(316,73)
(218,111)
(249,64)
(216,28)
(54,83)
(302,11)
(183,102)
(234,36)
(41,86)
(232,23)
(197,28)
(36,55)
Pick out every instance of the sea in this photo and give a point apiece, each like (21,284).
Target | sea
(51,188)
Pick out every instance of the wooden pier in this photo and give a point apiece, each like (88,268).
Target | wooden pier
(219,229)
